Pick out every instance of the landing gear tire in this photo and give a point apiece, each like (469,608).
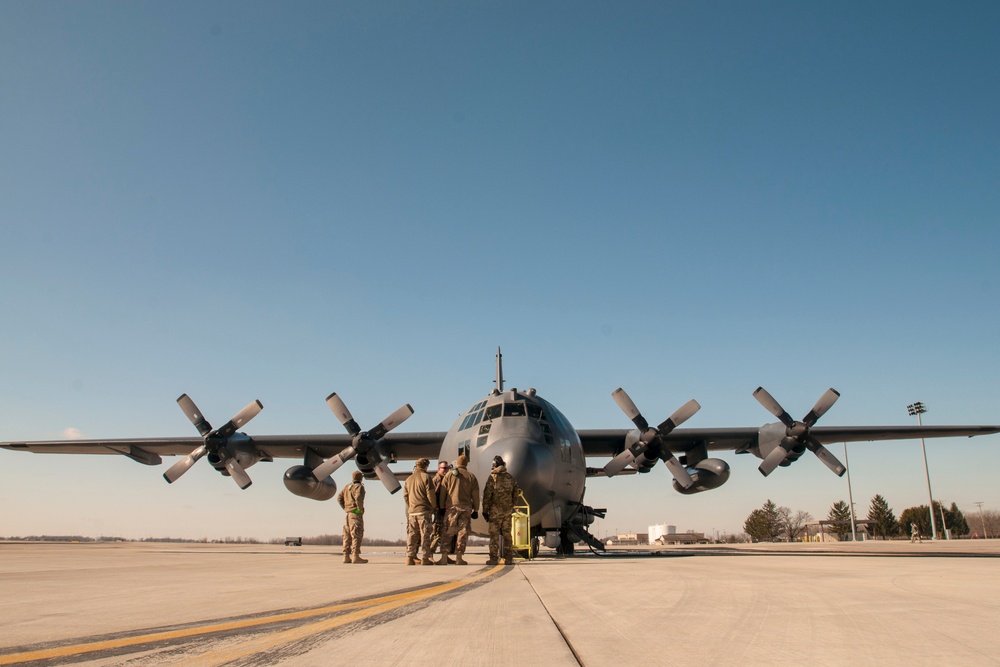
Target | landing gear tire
(566,544)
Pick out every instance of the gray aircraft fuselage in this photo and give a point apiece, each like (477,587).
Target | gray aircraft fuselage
(540,447)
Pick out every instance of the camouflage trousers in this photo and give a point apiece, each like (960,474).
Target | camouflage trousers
(457,522)
(354,532)
(501,542)
(438,529)
(418,534)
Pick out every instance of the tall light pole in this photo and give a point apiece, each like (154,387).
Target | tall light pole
(918,409)
(850,497)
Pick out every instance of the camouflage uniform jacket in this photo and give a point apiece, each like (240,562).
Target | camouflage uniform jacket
(459,489)
(437,480)
(419,493)
(501,493)
(352,498)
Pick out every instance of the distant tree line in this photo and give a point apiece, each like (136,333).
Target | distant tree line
(771,523)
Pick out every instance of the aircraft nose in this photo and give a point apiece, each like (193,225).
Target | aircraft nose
(532,465)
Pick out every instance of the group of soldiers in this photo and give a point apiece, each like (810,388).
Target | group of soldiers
(439,512)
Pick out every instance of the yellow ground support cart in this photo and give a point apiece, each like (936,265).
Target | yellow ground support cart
(520,529)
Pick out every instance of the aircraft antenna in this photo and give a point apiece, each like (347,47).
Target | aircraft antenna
(499,379)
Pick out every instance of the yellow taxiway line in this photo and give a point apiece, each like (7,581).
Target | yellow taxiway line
(361,610)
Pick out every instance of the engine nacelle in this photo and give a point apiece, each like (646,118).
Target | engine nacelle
(366,463)
(239,447)
(644,464)
(300,481)
(770,436)
(706,474)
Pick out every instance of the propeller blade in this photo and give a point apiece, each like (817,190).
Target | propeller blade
(332,464)
(678,471)
(391,422)
(824,403)
(237,472)
(343,414)
(194,414)
(773,460)
(182,466)
(628,407)
(824,455)
(241,418)
(388,478)
(619,463)
(683,413)
(773,406)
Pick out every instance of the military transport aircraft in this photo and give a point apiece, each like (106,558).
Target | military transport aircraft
(542,450)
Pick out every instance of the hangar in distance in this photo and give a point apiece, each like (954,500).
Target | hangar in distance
(543,450)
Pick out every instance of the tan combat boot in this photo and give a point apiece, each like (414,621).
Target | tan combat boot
(460,560)
(410,560)
(443,560)
(427,560)
(358,559)
(347,558)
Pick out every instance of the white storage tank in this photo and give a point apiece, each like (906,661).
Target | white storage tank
(660,529)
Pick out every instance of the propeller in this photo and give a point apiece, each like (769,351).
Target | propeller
(215,441)
(649,436)
(797,434)
(363,442)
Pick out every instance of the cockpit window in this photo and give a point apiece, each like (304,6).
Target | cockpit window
(493,411)
(534,411)
(513,410)
(471,419)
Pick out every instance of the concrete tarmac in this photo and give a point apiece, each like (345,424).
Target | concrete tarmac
(139,604)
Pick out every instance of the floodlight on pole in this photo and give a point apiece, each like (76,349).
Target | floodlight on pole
(918,409)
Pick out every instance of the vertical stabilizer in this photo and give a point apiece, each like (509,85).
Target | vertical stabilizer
(499,379)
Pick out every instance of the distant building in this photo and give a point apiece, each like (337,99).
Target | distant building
(660,529)
(689,537)
(629,539)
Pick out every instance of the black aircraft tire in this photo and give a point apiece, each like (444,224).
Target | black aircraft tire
(566,544)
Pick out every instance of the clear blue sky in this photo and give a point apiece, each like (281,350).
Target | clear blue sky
(246,200)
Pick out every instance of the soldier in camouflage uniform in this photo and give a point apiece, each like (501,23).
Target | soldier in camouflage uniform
(439,515)
(420,497)
(460,494)
(352,500)
(499,497)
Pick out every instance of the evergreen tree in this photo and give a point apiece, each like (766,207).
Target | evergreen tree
(883,520)
(773,520)
(841,513)
(756,526)
(763,525)
(956,521)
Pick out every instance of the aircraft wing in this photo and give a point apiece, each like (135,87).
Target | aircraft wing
(834,434)
(401,446)
(741,439)
(609,442)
